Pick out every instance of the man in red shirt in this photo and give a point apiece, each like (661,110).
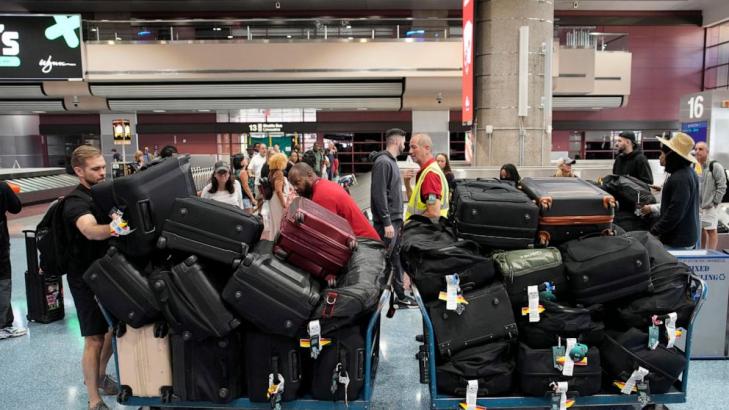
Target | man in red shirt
(332,197)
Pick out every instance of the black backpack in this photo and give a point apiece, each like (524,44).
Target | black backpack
(52,238)
(726,194)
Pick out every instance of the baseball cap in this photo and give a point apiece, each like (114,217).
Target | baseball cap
(628,135)
(222,165)
(566,161)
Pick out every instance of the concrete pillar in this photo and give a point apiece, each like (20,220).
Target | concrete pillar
(435,124)
(518,140)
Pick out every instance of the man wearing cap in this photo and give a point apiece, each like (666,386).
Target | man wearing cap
(678,224)
(564,167)
(631,160)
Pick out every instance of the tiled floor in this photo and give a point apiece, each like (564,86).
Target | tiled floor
(42,370)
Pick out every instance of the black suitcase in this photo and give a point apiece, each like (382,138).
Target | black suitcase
(276,297)
(561,321)
(493,213)
(629,191)
(487,317)
(146,198)
(672,292)
(345,357)
(269,358)
(210,229)
(492,364)
(430,284)
(44,293)
(622,353)
(606,268)
(122,289)
(190,303)
(530,267)
(569,208)
(629,221)
(537,371)
(357,291)
(208,370)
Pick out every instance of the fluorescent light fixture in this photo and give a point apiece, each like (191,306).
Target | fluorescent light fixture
(288,36)
(217,29)
(415,32)
(144,33)
(38,112)
(203,110)
(159,111)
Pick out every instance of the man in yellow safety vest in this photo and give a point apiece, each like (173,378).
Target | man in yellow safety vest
(430,197)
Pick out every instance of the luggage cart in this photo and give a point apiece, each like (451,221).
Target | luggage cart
(677,394)
(372,349)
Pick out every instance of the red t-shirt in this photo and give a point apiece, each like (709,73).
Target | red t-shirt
(431,183)
(334,198)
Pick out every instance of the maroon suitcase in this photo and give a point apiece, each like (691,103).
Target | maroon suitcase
(314,239)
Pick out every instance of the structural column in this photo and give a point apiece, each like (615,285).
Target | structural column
(526,139)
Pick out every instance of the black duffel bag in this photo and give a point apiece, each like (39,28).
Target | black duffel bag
(536,371)
(357,291)
(559,320)
(491,364)
(629,191)
(657,253)
(622,353)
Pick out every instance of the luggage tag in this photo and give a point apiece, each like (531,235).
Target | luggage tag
(559,398)
(453,290)
(671,329)
(558,352)
(568,368)
(340,376)
(275,391)
(533,295)
(653,336)
(118,226)
(630,385)
(471,395)
(314,329)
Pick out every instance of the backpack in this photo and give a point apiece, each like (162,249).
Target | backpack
(726,194)
(52,238)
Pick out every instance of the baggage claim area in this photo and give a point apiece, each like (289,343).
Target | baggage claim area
(381,204)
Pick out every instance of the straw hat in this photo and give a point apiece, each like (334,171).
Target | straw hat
(681,144)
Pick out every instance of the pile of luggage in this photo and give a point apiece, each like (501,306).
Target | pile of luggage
(194,285)
(593,312)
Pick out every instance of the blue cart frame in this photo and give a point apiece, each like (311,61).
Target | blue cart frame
(373,334)
(440,401)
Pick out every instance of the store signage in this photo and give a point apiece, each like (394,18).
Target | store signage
(468,60)
(265,127)
(122,131)
(40,47)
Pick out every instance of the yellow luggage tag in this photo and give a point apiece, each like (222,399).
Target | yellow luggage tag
(460,299)
(621,385)
(583,362)
(306,343)
(464,406)
(525,310)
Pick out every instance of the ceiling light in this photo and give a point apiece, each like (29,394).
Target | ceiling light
(38,112)
(203,110)
(159,111)
(230,37)
(349,27)
(217,29)
(288,36)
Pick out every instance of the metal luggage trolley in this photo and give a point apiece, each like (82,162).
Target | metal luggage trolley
(677,394)
(372,350)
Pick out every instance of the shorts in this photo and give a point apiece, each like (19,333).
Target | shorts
(709,218)
(90,319)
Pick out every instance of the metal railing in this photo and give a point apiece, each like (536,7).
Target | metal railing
(586,37)
(201,176)
(308,29)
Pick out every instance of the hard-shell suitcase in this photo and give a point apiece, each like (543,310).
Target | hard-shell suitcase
(276,297)
(558,320)
(271,359)
(622,353)
(344,357)
(146,198)
(190,303)
(315,239)
(494,213)
(357,291)
(606,268)
(531,267)
(210,229)
(492,364)
(536,369)
(569,208)
(44,293)
(474,276)
(487,317)
(145,365)
(629,191)
(208,370)
(122,290)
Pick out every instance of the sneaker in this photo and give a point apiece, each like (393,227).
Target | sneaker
(406,302)
(109,386)
(12,331)
(99,406)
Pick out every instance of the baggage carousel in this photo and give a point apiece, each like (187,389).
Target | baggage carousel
(39,185)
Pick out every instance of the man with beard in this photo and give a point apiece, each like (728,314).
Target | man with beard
(631,160)
(387,205)
(331,196)
(88,230)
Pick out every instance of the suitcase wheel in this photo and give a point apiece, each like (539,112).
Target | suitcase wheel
(124,394)
(223,393)
(161,242)
(166,393)
(159,284)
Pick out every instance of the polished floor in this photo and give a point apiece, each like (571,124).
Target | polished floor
(42,370)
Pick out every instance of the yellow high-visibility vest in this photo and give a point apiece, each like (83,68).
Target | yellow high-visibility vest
(416,206)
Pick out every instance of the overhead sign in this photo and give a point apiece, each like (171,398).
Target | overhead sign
(265,127)
(40,47)
(697,130)
(122,132)
(467,75)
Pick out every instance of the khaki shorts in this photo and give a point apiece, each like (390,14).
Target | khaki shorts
(709,218)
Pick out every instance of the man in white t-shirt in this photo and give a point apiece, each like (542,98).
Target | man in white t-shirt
(256,163)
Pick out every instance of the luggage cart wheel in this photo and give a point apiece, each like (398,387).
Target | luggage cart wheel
(124,394)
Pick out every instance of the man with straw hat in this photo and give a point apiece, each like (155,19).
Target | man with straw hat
(678,225)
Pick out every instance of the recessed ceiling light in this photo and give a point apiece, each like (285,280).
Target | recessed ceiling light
(38,112)
(203,110)
(288,36)
(159,111)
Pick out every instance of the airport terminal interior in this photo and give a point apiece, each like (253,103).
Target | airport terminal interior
(626,100)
